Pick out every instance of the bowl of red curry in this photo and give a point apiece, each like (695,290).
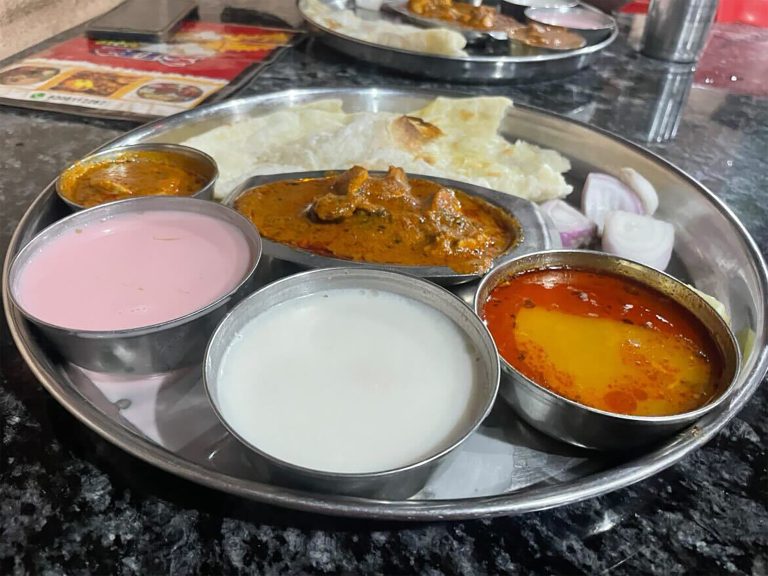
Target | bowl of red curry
(603,352)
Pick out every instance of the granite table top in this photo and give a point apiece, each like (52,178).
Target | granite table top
(72,503)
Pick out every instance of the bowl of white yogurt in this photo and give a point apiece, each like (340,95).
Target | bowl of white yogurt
(352,381)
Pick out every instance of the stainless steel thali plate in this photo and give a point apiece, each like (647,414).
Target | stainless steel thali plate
(505,467)
(485,62)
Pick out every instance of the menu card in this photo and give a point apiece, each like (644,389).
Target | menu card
(202,61)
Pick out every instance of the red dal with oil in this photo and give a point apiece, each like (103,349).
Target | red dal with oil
(604,341)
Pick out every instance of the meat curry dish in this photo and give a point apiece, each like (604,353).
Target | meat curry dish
(465,14)
(388,219)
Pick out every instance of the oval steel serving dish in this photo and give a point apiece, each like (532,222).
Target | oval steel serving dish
(535,235)
(486,478)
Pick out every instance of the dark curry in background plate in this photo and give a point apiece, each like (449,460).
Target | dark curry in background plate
(389,219)
(537,35)
(463,14)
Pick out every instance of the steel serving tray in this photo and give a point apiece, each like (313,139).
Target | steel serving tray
(505,467)
(484,63)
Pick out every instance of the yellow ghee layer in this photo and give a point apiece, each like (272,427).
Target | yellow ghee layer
(611,365)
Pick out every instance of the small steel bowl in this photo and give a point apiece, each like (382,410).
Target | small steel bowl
(602,26)
(534,231)
(148,349)
(589,427)
(517,8)
(190,158)
(394,484)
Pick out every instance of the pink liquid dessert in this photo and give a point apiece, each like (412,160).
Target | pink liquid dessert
(133,270)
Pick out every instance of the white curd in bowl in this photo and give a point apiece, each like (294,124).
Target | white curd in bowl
(349,381)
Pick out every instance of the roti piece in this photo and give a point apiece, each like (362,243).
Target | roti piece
(471,149)
(476,117)
(449,138)
(239,147)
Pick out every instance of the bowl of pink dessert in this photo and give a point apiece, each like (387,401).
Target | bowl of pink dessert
(138,285)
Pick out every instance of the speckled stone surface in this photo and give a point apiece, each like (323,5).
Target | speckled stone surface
(72,503)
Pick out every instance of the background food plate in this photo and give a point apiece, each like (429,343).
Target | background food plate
(478,67)
(506,467)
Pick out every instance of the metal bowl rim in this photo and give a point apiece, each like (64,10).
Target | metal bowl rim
(23,256)
(323,274)
(496,276)
(531,13)
(558,4)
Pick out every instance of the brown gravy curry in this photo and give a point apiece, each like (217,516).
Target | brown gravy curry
(389,220)
(549,37)
(139,173)
(463,13)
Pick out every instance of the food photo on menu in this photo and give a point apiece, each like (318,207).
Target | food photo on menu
(385,286)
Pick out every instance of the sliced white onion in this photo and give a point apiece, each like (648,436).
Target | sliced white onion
(639,237)
(575,229)
(602,194)
(640,186)
(714,302)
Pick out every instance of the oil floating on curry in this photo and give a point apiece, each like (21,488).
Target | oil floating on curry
(389,219)
(131,174)
(604,341)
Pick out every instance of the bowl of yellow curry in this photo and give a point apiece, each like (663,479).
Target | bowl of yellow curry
(137,170)
(442,230)
(603,352)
